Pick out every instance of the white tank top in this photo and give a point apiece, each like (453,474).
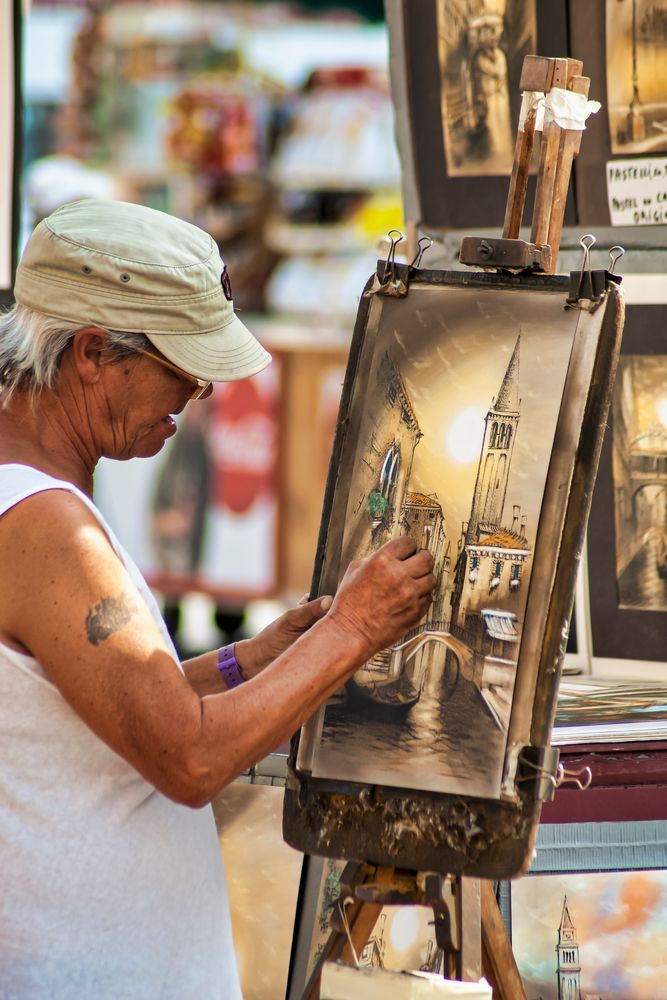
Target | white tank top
(108,890)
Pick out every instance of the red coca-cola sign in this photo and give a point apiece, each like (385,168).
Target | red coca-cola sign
(244,441)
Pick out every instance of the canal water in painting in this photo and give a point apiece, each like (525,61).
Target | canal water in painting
(437,740)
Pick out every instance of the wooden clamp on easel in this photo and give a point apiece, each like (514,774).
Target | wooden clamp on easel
(469,931)
(540,77)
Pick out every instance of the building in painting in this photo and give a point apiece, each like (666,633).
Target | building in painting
(500,429)
(383,472)
(568,971)
(488,581)
(424,521)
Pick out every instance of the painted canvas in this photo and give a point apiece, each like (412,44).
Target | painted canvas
(402,938)
(594,936)
(263,876)
(639,468)
(636,45)
(452,424)
(481,46)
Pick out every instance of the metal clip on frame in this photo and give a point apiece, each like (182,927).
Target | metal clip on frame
(589,284)
(540,766)
(423,244)
(565,777)
(387,280)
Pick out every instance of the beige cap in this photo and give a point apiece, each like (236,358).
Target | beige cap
(126,267)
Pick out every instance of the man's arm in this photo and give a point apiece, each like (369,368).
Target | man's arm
(68,600)
(255,654)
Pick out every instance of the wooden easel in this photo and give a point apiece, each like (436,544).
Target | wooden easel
(469,930)
(559,147)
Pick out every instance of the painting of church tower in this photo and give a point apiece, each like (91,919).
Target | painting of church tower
(500,428)
(487,597)
(568,972)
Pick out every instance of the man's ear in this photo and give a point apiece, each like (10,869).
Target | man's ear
(88,347)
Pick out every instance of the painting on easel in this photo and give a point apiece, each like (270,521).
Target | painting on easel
(471,420)
(454,429)
(481,46)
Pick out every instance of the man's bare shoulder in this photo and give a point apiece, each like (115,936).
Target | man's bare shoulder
(47,521)
(46,541)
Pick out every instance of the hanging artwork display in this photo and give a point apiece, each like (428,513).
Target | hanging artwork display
(460,423)
(636,50)
(455,71)
(627,542)
(481,50)
(639,474)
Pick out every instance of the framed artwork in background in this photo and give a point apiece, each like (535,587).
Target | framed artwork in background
(10,97)
(627,537)
(461,419)
(623,46)
(455,69)
(596,934)
(263,876)
(636,49)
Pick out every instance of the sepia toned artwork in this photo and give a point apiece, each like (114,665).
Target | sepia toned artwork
(263,876)
(639,469)
(597,935)
(402,938)
(636,44)
(451,433)
(481,46)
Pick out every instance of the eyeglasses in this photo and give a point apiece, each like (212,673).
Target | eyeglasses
(200,385)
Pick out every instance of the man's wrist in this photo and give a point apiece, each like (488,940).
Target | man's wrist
(229,667)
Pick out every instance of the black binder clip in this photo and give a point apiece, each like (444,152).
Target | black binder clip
(388,279)
(591,284)
(424,243)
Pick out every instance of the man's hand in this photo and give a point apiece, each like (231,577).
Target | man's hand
(382,597)
(253,655)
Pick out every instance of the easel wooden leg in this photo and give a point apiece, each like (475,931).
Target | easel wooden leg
(498,962)
(468,926)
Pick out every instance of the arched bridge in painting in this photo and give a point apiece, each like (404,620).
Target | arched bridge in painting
(395,689)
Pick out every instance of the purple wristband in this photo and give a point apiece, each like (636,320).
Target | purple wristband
(228,666)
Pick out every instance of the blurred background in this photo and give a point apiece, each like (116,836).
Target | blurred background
(269,125)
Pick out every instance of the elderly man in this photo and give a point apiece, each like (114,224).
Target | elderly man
(111,884)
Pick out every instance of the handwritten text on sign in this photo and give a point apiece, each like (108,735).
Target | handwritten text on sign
(637,191)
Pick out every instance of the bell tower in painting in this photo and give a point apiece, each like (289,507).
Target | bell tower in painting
(500,429)
(568,971)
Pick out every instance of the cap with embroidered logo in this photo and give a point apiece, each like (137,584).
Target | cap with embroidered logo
(126,267)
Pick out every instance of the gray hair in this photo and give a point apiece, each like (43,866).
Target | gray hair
(32,346)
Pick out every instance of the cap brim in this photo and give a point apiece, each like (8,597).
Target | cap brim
(224,355)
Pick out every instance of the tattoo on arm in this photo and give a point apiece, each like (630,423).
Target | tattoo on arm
(107,617)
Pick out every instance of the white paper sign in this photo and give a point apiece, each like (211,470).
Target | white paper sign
(637,191)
